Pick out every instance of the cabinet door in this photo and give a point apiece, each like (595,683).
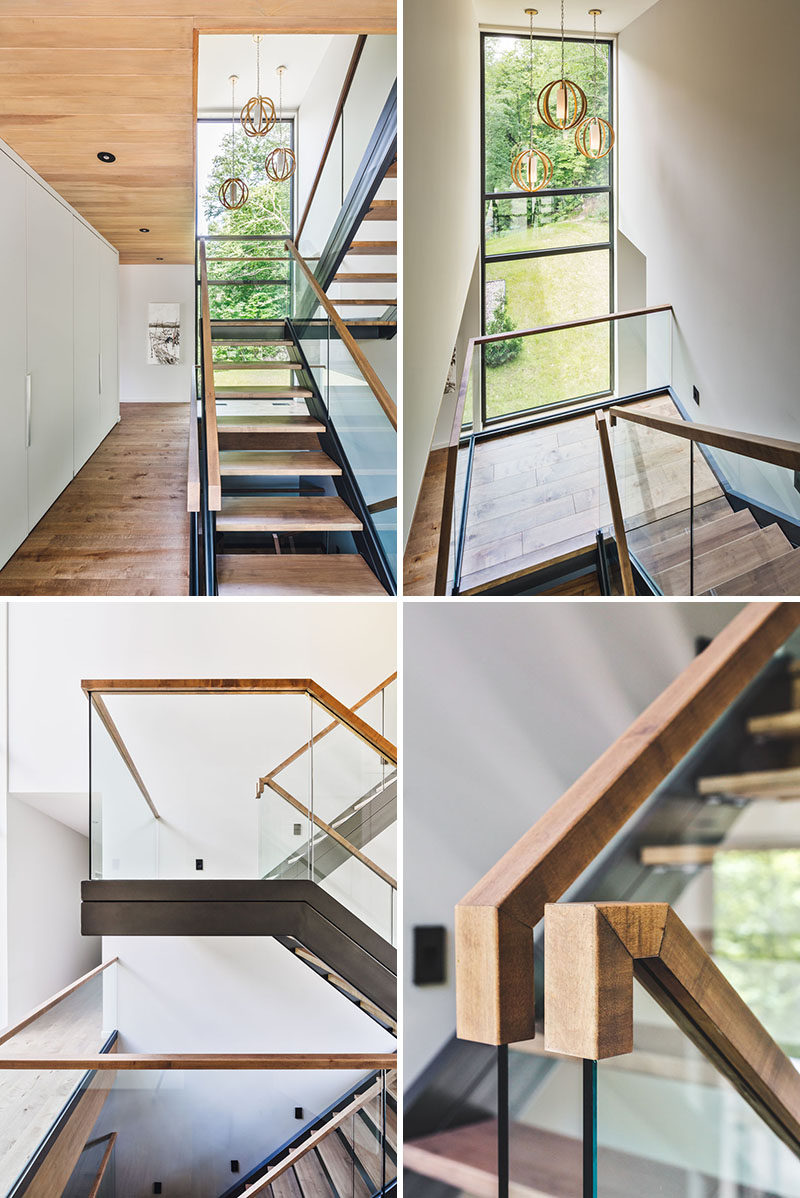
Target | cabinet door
(13,456)
(109,338)
(87,344)
(50,349)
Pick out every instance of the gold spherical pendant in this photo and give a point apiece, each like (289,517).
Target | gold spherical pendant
(531,170)
(258,116)
(233,194)
(280,164)
(594,138)
(570,104)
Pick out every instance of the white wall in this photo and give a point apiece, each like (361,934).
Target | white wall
(441,219)
(505,705)
(4,766)
(46,864)
(708,180)
(141,382)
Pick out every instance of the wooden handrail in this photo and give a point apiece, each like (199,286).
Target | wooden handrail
(49,1003)
(448,495)
(494,922)
(601,423)
(245,686)
(764,449)
(310,1142)
(304,748)
(334,835)
(360,1061)
(99,706)
(592,953)
(209,392)
(356,353)
(193,462)
(111,1137)
(361,41)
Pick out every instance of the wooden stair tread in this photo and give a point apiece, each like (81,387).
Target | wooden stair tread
(343,302)
(542,1164)
(286,1186)
(373,247)
(339,1164)
(738,556)
(391,172)
(268,341)
(373,277)
(286,513)
(667,527)
(773,784)
(781,576)
(269,424)
(272,364)
(250,392)
(780,724)
(708,536)
(295,574)
(311,1176)
(276,462)
(382,210)
(700,854)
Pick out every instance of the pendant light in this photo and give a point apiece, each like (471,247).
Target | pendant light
(233,192)
(594,137)
(532,169)
(258,114)
(280,162)
(570,100)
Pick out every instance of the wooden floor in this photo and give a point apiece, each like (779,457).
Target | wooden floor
(30,1102)
(121,526)
(419,561)
(540,495)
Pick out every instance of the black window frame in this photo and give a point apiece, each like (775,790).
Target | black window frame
(525,414)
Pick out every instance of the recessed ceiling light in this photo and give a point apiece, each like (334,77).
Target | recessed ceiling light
(144,230)
(159,259)
(107,156)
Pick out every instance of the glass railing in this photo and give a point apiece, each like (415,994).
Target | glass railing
(370,87)
(358,405)
(32,1101)
(94,1176)
(162,762)
(528,496)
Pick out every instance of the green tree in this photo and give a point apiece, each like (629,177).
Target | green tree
(499,352)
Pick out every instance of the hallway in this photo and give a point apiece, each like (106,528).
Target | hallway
(121,526)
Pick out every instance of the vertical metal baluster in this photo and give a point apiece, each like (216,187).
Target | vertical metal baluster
(502,1121)
(691,517)
(383,1132)
(590,1129)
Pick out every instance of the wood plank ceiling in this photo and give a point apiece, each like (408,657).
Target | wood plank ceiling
(76,77)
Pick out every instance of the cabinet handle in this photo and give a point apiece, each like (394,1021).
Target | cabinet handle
(100,373)
(28,410)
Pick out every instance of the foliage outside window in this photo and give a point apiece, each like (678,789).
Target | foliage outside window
(268,211)
(542,287)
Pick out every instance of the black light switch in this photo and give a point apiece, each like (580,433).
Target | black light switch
(234,1166)
(298,1112)
(198,862)
(429,961)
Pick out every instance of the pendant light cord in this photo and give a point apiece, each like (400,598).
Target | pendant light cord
(233,128)
(594,67)
(531,89)
(258,64)
(563,65)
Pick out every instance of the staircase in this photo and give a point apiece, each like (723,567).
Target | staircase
(281,467)
(747,758)
(364,287)
(350,1151)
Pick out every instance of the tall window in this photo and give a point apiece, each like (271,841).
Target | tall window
(548,256)
(269,210)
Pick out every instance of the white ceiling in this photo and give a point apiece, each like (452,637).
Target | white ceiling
(221,56)
(616,14)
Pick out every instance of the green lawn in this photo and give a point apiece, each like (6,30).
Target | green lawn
(541,291)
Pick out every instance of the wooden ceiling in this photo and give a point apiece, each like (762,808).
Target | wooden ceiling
(76,77)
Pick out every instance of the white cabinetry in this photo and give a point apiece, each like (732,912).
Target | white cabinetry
(13,325)
(58,347)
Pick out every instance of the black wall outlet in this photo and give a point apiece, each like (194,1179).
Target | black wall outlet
(198,862)
(696,395)
(298,1112)
(234,1166)
(429,959)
